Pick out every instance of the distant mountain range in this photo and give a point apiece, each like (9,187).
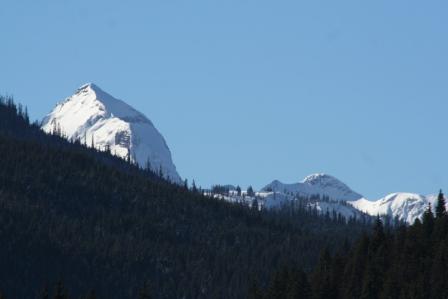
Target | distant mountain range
(97,119)
(403,206)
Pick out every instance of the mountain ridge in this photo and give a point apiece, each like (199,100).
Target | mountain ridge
(404,206)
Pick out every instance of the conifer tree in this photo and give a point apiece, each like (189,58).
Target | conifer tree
(441,209)
(26,116)
(92,145)
(160,171)
(148,166)
(378,234)
(250,191)
(194,188)
(238,190)
(428,220)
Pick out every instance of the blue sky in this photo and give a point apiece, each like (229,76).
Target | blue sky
(247,91)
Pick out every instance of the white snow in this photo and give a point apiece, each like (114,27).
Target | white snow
(405,206)
(93,116)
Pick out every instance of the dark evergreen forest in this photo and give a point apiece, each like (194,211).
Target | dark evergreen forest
(75,221)
(407,263)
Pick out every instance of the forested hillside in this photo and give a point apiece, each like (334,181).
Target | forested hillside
(408,263)
(95,222)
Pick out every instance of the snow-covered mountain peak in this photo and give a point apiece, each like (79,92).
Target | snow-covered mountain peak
(316,184)
(316,176)
(87,86)
(91,96)
(322,179)
(93,116)
(334,186)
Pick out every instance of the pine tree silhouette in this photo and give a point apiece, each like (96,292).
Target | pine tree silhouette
(441,209)
(428,220)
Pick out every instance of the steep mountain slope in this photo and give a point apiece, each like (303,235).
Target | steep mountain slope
(404,206)
(96,118)
(316,184)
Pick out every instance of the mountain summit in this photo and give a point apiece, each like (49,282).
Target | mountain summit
(95,118)
(317,184)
